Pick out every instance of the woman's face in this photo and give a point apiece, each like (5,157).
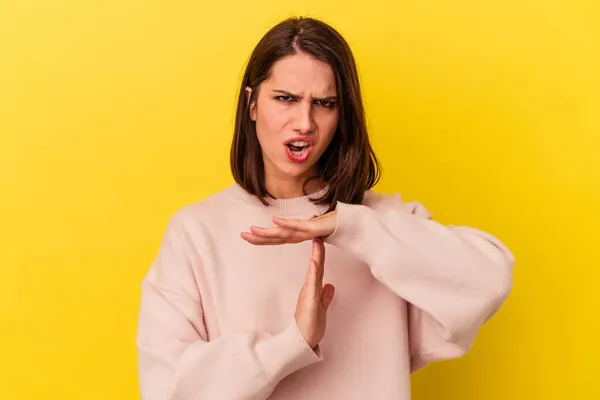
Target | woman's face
(296,115)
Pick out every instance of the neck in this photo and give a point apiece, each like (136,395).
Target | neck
(291,187)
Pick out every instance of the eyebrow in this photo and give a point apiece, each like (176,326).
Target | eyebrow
(286,93)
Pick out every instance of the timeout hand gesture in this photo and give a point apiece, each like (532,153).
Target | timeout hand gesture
(292,230)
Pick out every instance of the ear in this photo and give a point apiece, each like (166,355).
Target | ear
(252,105)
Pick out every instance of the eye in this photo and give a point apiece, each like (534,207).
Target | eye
(325,103)
(285,99)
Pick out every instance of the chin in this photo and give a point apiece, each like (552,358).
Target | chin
(295,170)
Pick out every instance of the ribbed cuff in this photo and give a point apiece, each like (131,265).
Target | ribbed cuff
(285,353)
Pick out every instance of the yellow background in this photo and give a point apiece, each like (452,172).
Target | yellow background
(114,114)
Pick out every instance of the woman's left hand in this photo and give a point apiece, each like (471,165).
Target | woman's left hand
(292,230)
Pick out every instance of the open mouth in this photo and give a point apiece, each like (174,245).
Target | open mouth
(298,151)
(298,148)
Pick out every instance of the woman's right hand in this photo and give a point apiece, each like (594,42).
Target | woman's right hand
(314,298)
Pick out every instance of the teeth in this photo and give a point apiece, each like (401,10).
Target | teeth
(298,153)
(299,144)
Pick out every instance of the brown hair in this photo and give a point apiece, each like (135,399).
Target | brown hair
(348,166)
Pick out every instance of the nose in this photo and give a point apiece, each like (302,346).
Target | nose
(304,121)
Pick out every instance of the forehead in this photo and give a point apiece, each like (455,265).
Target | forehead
(302,74)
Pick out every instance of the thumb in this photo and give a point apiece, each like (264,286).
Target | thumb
(327,295)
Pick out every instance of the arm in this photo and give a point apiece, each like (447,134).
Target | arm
(176,359)
(453,278)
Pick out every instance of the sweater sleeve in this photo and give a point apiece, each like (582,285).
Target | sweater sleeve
(453,278)
(176,359)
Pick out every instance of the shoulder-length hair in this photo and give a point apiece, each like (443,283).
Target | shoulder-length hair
(348,166)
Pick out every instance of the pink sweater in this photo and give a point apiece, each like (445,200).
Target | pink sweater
(216,319)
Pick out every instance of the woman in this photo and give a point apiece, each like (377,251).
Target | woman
(232,312)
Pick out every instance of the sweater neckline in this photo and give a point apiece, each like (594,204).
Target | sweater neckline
(292,206)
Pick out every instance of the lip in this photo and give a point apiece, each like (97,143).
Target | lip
(298,159)
(303,157)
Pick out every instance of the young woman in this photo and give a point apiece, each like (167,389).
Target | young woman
(234,307)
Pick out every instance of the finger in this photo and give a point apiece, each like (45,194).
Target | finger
(283,234)
(294,224)
(319,255)
(327,295)
(273,232)
(311,288)
(260,241)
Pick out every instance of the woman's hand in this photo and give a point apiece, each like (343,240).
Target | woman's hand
(292,230)
(314,298)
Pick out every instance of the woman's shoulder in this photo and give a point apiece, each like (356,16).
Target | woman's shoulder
(214,207)
(394,202)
